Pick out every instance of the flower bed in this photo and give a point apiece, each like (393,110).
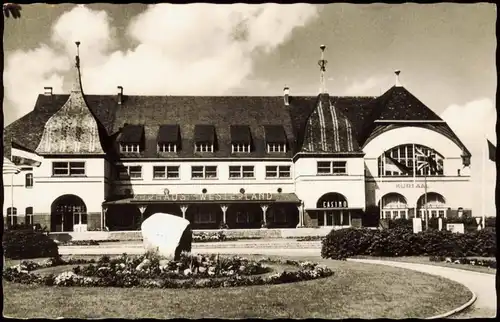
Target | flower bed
(149,270)
(344,243)
(309,238)
(462,260)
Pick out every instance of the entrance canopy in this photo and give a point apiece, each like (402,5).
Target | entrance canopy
(209,197)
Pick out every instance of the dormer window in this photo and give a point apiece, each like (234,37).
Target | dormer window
(237,148)
(204,138)
(276,147)
(275,139)
(168,138)
(129,147)
(203,147)
(131,138)
(167,147)
(241,139)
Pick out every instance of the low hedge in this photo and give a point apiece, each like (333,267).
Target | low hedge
(344,243)
(18,244)
(467,261)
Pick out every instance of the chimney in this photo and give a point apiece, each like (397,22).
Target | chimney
(47,91)
(397,72)
(286,93)
(120,94)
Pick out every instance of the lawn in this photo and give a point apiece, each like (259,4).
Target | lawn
(355,291)
(425,260)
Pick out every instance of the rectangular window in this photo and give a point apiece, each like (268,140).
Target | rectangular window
(167,147)
(203,147)
(242,217)
(276,147)
(204,172)
(68,168)
(237,171)
(28,180)
(332,167)
(205,218)
(159,172)
(129,147)
(236,148)
(130,172)
(173,172)
(282,171)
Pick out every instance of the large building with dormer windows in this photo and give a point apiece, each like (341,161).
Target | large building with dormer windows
(92,162)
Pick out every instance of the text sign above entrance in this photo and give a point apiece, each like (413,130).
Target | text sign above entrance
(411,186)
(206,197)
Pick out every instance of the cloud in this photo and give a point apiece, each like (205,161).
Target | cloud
(198,49)
(472,123)
(369,86)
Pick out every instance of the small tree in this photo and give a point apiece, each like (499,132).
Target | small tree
(12,9)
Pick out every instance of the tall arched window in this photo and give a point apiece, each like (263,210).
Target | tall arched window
(29,215)
(28,180)
(11,216)
(394,205)
(410,160)
(436,205)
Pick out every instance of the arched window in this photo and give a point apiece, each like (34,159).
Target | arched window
(394,205)
(28,180)
(409,160)
(11,216)
(435,205)
(29,215)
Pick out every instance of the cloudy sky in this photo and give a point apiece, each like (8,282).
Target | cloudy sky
(446,54)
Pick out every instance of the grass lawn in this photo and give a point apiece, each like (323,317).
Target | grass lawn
(425,260)
(355,291)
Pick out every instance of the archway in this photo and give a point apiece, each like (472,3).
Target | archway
(435,205)
(393,205)
(66,212)
(335,210)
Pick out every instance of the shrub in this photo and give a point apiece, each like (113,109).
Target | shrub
(400,223)
(344,243)
(19,244)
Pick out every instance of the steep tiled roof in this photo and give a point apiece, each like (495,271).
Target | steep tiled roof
(328,130)
(397,104)
(221,111)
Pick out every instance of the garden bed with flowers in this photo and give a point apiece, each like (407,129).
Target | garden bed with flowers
(151,271)
(491,263)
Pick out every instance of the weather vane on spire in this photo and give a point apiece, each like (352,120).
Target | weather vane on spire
(77,54)
(322,65)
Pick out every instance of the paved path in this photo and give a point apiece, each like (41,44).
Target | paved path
(480,283)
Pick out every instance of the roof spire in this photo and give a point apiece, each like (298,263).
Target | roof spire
(77,85)
(322,65)
(397,72)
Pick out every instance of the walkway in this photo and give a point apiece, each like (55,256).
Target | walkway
(483,285)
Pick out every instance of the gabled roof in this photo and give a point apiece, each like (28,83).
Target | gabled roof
(221,112)
(397,104)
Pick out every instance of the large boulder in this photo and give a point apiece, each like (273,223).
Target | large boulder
(166,234)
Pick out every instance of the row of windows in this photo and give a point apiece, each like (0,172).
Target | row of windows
(12,215)
(241,217)
(203,172)
(203,147)
(172,172)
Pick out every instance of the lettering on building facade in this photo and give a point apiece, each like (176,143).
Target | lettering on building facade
(206,197)
(411,186)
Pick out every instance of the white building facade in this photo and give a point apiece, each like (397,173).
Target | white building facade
(96,162)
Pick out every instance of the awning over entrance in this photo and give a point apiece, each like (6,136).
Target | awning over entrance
(209,197)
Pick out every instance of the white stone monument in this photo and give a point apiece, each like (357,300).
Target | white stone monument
(478,222)
(167,234)
(417,225)
(440,223)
